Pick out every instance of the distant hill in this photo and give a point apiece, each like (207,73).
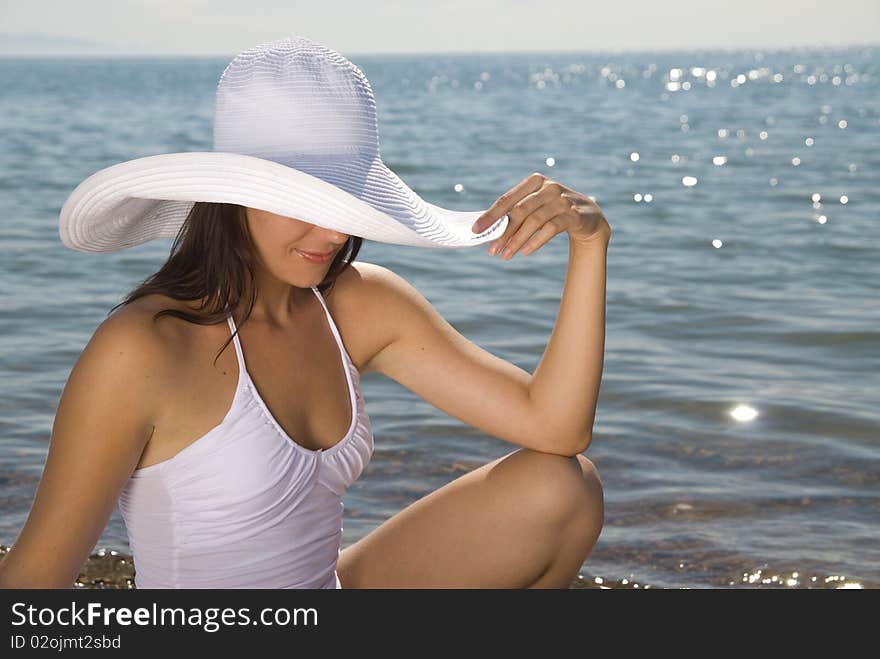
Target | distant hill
(37,44)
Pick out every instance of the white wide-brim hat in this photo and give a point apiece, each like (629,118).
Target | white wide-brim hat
(295,134)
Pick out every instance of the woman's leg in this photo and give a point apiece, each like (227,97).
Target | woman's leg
(525,520)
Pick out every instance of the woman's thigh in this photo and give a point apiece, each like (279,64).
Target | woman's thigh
(498,526)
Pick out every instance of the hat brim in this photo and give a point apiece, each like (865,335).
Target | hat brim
(132,202)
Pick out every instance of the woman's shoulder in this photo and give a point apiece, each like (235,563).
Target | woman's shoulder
(362,309)
(136,324)
(373,283)
(362,277)
(125,347)
(361,291)
(142,312)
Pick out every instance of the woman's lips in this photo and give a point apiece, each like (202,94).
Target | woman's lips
(315,257)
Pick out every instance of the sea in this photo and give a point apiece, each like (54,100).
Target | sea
(737,431)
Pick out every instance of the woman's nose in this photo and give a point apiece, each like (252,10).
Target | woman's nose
(335,236)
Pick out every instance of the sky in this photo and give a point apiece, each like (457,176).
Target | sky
(353,27)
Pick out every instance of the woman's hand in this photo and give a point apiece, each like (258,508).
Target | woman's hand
(538,209)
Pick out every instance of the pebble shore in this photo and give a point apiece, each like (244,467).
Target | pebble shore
(108,568)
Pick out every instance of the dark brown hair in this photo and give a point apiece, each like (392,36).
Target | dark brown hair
(212,260)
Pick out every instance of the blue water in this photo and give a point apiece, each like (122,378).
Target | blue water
(779,315)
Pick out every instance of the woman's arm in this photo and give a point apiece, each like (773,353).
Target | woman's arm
(103,421)
(551,410)
(565,384)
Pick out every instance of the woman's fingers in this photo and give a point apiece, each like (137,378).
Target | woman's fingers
(534,203)
(540,237)
(507,201)
(516,216)
(532,225)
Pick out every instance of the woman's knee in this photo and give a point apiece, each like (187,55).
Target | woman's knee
(560,488)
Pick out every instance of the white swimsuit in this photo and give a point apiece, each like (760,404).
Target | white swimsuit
(245,506)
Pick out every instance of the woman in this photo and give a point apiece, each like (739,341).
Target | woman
(228,465)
